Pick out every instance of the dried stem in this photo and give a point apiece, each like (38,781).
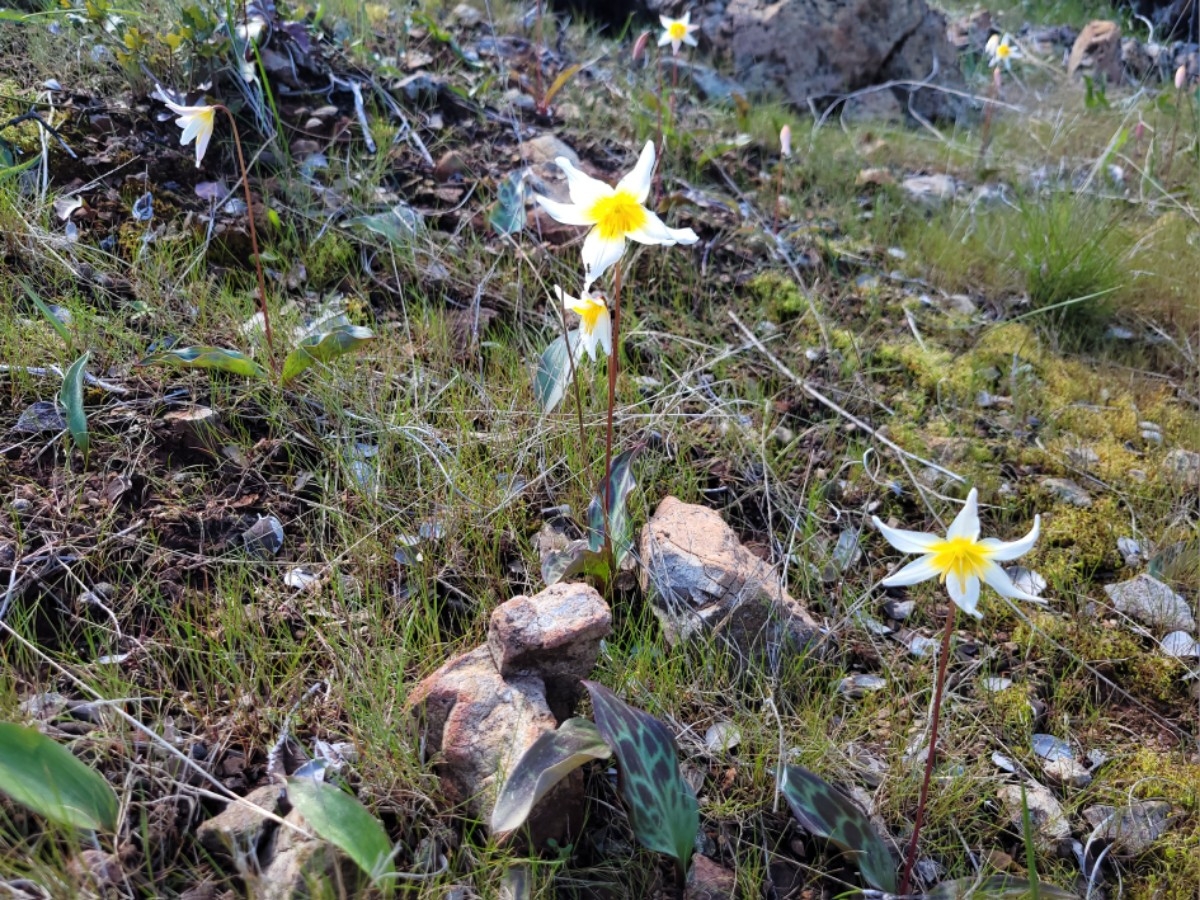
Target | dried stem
(262,282)
(986,129)
(910,855)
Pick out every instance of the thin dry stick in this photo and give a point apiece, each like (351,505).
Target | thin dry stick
(841,411)
(613,362)
(986,130)
(910,856)
(262,282)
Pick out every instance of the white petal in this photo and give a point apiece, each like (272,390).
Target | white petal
(655,231)
(665,21)
(687,18)
(599,254)
(965,596)
(906,541)
(1000,550)
(966,523)
(191,127)
(997,579)
(567,213)
(585,190)
(690,40)
(664,39)
(638,181)
(603,332)
(914,573)
(587,344)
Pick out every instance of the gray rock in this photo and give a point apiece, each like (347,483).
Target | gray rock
(237,831)
(1153,603)
(1180,645)
(1051,828)
(816,50)
(930,190)
(1131,829)
(293,862)
(1182,468)
(1068,491)
(704,582)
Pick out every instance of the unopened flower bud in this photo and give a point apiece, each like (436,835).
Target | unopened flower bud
(639,46)
(785,140)
(1180,77)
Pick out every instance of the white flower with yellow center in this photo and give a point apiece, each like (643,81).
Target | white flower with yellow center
(615,214)
(960,559)
(197,124)
(595,325)
(677,32)
(1002,51)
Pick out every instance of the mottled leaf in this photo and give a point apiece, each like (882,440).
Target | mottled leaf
(554,372)
(71,397)
(574,559)
(662,808)
(323,347)
(826,812)
(338,817)
(204,357)
(508,215)
(46,777)
(622,483)
(398,225)
(996,887)
(550,759)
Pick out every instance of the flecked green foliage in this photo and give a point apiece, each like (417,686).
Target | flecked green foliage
(997,887)
(826,812)
(662,808)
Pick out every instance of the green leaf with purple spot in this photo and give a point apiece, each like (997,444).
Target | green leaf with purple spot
(622,484)
(662,808)
(828,813)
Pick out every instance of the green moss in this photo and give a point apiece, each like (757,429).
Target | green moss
(1079,540)
(328,260)
(780,296)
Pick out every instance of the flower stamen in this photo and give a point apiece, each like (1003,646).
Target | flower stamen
(618,215)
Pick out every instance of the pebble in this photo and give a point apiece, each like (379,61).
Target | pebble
(1182,468)
(1153,603)
(1068,491)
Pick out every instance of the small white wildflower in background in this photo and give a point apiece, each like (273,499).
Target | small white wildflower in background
(677,32)
(615,214)
(785,141)
(960,559)
(1180,77)
(197,124)
(1002,51)
(595,327)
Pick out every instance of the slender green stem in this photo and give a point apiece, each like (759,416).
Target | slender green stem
(262,282)
(562,318)
(613,363)
(910,856)
(985,138)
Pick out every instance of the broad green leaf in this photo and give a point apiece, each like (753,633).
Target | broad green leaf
(50,317)
(826,812)
(622,483)
(71,398)
(550,759)
(339,818)
(575,559)
(662,808)
(205,357)
(324,347)
(554,372)
(508,215)
(46,777)
(399,225)
(996,887)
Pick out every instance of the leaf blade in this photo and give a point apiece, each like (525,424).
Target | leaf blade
(622,483)
(204,356)
(340,819)
(554,372)
(662,808)
(323,347)
(42,775)
(71,398)
(550,759)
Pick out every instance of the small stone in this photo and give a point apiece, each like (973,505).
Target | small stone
(1026,580)
(1084,457)
(709,881)
(1182,468)
(1068,491)
(546,148)
(1132,829)
(1051,828)
(859,685)
(1153,603)
(237,831)
(993,685)
(264,538)
(293,861)
(302,147)
(467,15)
(722,736)
(1180,645)
(899,610)
(1049,747)
(314,124)
(325,112)
(1065,770)
(554,633)
(1130,550)
(930,190)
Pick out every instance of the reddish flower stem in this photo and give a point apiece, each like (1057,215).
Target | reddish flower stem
(613,363)
(910,856)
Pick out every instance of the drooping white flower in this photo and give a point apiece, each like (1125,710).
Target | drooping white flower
(1002,51)
(677,32)
(197,124)
(595,324)
(960,559)
(614,214)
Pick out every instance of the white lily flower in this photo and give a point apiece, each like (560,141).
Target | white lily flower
(1002,51)
(677,32)
(197,124)
(595,326)
(615,214)
(960,559)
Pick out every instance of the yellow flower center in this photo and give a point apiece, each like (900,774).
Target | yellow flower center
(1003,51)
(590,314)
(617,215)
(961,557)
(677,31)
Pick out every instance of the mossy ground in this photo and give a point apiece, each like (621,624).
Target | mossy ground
(935,325)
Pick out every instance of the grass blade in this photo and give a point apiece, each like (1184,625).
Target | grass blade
(45,777)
